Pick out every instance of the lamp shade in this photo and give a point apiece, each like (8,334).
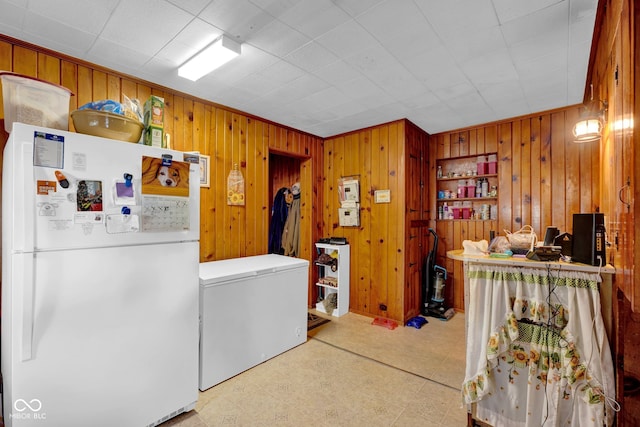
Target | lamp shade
(587,130)
(211,57)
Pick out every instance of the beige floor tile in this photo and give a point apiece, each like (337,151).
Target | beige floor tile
(348,373)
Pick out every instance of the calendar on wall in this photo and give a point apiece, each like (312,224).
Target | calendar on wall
(165,213)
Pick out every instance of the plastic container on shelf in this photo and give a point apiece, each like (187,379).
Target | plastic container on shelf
(457,214)
(471,188)
(462,188)
(34,101)
(492,164)
(466,212)
(481,164)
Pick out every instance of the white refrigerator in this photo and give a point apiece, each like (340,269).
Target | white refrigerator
(99,281)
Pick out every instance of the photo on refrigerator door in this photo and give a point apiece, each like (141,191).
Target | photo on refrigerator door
(89,196)
(165,178)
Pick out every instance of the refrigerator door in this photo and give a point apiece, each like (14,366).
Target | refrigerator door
(67,190)
(112,342)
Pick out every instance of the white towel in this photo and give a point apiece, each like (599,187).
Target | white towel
(475,248)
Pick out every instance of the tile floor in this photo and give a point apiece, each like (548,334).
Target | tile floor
(348,373)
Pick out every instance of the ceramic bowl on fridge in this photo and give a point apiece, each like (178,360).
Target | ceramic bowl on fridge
(107,125)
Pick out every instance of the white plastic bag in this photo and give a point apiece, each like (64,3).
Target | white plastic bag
(523,240)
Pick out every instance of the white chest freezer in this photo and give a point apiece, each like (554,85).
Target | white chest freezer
(251,309)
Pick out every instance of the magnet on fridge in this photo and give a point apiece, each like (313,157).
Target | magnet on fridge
(124,194)
(125,211)
(64,183)
(167,159)
(127,179)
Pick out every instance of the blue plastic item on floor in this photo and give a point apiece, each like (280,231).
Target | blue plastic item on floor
(417,322)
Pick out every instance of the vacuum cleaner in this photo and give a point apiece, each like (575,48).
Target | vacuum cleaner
(434,278)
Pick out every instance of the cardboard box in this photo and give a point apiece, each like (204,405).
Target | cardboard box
(154,112)
(154,136)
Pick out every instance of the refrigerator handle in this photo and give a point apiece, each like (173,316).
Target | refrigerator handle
(27,308)
(26,201)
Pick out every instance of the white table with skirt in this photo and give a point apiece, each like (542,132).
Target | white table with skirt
(537,347)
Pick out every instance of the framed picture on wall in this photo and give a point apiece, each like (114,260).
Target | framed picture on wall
(204,170)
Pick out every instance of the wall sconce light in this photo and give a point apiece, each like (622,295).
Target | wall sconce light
(218,53)
(589,127)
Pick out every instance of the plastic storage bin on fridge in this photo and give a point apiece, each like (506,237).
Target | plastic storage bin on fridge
(251,309)
(34,102)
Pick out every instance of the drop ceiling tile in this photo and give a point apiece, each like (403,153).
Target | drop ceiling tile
(388,19)
(311,57)
(502,92)
(530,50)
(454,91)
(356,7)
(467,103)
(348,108)
(194,7)
(548,93)
(338,73)
(581,11)
(420,100)
(116,56)
(257,84)
(322,100)
(406,45)
(508,10)
(314,17)
(546,24)
(492,67)
(295,89)
(435,68)
(12,17)
(278,39)
(275,8)
(477,44)
(437,118)
(68,40)
(553,63)
(252,60)
(137,25)
(89,17)
(457,18)
(191,39)
(279,74)
(399,83)
(394,62)
(239,19)
(16,3)
(346,39)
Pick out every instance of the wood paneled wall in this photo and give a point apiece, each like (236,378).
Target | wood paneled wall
(543,179)
(378,157)
(614,71)
(195,125)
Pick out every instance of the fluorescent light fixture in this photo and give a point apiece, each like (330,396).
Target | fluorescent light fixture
(221,51)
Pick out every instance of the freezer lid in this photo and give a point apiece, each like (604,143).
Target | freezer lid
(217,272)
